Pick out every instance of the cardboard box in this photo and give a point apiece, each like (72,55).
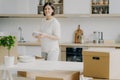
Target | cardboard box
(96,64)
(59,75)
(101,63)
(21,73)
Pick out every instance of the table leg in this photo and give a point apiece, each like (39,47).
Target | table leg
(9,75)
(6,75)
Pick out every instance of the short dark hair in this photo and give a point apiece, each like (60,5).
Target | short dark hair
(51,5)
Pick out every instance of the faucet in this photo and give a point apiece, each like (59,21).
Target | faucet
(21,35)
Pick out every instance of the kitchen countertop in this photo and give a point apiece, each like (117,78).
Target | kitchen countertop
(28,43)
(112,45)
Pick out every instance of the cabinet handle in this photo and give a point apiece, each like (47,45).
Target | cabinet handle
(95,58)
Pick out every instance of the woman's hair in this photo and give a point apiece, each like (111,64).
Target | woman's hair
(51,5)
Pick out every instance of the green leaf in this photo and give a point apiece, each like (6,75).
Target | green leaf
(8,42)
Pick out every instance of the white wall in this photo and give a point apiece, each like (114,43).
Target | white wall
(109,26)
(77,6)
(18,6)
(114,6)
(8,6)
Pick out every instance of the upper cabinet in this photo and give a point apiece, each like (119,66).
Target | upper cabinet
(58,4)
(114,6)
(77,6)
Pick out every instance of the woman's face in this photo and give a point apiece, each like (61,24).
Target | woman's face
(48,10)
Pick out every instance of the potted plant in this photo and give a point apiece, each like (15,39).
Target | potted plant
(8,42)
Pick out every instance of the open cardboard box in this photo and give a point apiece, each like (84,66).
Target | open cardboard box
(102,63)
(51,75)
(59,75)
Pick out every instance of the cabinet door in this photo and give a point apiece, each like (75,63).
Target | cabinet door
(33,50)
(77,6)
(29,50)
(114,6)
(63,56)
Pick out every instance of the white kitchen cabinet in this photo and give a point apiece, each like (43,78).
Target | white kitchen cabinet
(114,6)
(29,50)
(77,6)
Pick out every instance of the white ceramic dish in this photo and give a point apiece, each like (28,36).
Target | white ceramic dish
(35,33)
(26,58)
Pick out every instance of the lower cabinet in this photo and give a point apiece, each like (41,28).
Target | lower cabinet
(63,53)
(74,53)
(29,50)
(63,56)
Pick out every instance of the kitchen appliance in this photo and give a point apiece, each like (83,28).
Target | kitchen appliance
(98,37)
(74,54)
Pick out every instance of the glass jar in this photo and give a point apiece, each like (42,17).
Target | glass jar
(58,10)
(94,2)
(42,2)
(106,2)
(94,37)
(101,2)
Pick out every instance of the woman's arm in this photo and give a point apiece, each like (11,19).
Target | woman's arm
(44,35)
(53,37)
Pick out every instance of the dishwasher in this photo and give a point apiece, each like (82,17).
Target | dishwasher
(74,54)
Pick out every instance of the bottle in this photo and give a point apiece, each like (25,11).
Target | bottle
(93,2)
(106,2)
(42,2)
(78,35)
(94,37)
(82,40)
(58,10)
(101,2)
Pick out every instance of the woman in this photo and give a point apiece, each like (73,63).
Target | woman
(50,33)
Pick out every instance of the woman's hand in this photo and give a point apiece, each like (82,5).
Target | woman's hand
(43,35)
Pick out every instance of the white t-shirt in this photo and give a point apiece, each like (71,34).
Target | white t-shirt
(51,27)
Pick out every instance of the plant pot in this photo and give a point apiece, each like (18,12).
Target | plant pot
(9,60)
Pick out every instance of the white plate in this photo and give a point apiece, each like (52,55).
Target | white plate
(36,33)
(26,58)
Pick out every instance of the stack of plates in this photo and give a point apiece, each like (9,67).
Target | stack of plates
(26,58)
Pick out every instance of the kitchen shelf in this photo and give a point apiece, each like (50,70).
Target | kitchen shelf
(60,15)
(58,5)
(99,6)
(27,16)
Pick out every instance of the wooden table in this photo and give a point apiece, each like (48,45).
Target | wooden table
(39,65)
